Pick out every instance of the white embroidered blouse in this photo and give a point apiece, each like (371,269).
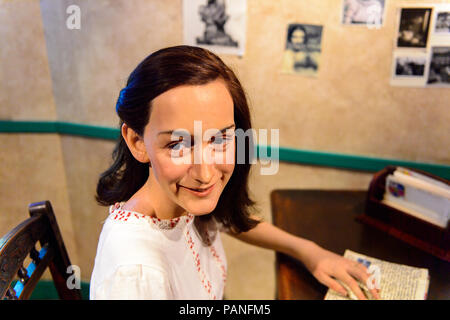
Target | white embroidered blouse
(142,257)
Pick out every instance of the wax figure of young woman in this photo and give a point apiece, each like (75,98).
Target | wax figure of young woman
(161,239)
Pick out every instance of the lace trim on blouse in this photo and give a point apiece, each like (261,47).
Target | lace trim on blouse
(118,213)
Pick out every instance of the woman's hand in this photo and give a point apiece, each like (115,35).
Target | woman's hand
(329,267)
(325,265)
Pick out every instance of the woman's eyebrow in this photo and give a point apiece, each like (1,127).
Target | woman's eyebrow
(229,127)
(180,132)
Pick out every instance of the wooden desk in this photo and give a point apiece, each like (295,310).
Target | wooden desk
(328,218)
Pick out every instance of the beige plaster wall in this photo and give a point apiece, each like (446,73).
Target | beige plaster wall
(32,167)
(349,108)
(25,83)
(90,66)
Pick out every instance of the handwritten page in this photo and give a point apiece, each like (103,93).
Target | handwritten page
(397,281)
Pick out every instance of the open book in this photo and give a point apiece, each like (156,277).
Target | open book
(396,282)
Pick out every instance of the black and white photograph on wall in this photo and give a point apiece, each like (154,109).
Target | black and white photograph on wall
(217,25)
(442,24)
(409,68)
(363,12)
(413,27)
(303,49)
(439,72)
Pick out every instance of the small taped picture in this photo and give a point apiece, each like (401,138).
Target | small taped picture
(410,66)
(303,49)
(413,27)
(214,16)
(442,25)
(363,12)
(217,25)
(439,74)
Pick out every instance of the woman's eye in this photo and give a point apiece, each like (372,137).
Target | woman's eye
(174,146)
(217,140)
(177,146)
(220,140)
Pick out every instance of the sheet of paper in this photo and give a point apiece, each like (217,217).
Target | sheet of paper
(397,282)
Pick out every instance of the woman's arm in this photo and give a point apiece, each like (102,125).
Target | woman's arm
(268,236)
(325,265)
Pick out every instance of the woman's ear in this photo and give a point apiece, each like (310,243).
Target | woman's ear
(135,143)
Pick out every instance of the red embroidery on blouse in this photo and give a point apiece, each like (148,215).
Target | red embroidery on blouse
(220,263)
(206,283)
(123,215)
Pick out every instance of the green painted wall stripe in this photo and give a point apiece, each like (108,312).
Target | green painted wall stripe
(319,158)
(87,130)
(354,162)
(27,126)
(76,129)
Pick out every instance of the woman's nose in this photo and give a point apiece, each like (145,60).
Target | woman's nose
(202,172)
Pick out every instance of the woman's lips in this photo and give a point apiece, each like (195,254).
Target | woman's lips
(202,192)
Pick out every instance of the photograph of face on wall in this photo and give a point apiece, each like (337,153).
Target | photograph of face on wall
(413,27)
(442,25)
(218,25)
(439,74)
(363,12)
(410,66)
(303,48)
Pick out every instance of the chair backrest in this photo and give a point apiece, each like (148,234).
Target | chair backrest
(21,242)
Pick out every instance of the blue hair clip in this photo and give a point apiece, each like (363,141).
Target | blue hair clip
(121,99)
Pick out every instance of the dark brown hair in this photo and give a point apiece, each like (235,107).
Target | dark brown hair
(159,72)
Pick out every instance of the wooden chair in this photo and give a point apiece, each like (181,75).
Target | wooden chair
(21,242)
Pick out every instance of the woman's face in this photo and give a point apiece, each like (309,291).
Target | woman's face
(298,38)
(206,161)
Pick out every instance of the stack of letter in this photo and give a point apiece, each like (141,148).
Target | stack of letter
(418,195)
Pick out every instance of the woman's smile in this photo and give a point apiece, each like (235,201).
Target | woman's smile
(201,192)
